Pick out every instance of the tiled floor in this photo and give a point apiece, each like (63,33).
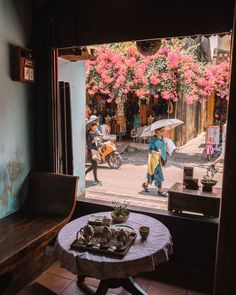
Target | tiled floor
(63,282)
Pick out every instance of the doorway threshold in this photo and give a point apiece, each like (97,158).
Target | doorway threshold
(137,200)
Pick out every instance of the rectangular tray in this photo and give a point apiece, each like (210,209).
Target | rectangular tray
(104,252)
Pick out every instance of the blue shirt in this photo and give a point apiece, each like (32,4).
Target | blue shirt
(157,144)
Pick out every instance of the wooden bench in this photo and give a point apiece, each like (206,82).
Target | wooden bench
(24,235)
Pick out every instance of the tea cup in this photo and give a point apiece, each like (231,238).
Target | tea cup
(144,232)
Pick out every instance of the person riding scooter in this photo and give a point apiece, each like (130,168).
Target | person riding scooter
(106,149)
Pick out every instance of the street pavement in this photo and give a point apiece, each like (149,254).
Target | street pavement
(124,184)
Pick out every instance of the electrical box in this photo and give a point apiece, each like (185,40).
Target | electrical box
(23,65)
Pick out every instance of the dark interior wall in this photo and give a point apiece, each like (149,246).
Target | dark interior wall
(194,243)
(16,107)
(43,92)
(104,21)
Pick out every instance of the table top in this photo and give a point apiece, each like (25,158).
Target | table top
(179,188)
(143,256)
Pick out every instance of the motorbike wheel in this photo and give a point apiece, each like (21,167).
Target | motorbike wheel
(114,161)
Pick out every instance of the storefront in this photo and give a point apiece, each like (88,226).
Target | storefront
(128,113)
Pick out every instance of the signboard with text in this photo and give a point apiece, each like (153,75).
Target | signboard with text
(213,134)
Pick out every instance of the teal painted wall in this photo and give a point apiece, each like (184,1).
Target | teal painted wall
(16,108)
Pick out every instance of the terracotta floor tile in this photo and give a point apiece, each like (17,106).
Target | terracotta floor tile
(118,291)
(54,283)
(59,271)
(92,282)
(143,283)
(195,293)
(73,289)
(157,288)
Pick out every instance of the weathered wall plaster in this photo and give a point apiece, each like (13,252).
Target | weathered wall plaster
(16,108)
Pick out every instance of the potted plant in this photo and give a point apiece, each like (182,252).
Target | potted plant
(208,182)
(120,212)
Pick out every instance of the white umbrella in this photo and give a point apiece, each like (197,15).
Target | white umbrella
(168,124)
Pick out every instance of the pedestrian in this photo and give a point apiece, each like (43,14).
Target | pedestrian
(92,150)
(105,130)
(220,159)
(209,149)
(156,160)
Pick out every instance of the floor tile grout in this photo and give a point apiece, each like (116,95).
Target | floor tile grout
(51,273)
(66,287)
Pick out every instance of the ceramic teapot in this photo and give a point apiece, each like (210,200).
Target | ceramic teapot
(106,233)
(87,231)
(122,236)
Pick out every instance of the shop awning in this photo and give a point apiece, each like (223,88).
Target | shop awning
(78,22)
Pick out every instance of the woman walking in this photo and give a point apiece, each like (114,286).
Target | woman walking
(92,150)
(156,159)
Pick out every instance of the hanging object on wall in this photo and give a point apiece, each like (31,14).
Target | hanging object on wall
(148,47)
(76,53)
(22,64)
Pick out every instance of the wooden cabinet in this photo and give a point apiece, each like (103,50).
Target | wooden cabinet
(181,199)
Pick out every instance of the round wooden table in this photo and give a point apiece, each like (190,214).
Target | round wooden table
(143,256)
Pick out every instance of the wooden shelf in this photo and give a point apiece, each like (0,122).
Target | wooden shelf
(181,199)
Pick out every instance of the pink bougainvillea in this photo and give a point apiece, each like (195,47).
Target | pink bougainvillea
(165,74)
(219,76)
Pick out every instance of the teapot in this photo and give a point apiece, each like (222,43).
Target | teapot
(106,233)
(87,231)
(122,236)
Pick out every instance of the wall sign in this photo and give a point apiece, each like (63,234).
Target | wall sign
(23,65)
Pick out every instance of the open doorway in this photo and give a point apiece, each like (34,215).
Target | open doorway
(127,110)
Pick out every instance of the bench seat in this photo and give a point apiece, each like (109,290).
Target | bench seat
(24,235)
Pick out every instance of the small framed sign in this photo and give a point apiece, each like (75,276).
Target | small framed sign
(23,65)
(213,134)
(188,173)
(188,181)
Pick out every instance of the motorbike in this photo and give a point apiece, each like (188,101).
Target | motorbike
(108,153)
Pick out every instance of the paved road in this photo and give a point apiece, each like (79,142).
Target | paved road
(125,183)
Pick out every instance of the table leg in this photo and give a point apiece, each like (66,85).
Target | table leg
(128,284)
(131,286)
(80,279)
(102,288)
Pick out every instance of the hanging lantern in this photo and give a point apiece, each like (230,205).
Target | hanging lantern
(149,47)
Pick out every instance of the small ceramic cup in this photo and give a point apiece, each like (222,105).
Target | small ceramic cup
(144,232)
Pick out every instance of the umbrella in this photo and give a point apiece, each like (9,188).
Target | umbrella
(168,124)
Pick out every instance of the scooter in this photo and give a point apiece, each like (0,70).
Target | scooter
(108,153)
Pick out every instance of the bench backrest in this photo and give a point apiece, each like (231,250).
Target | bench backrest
(51,194)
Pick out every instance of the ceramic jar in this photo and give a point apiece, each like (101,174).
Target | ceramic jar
(122,236)
(87,231)
(106,233)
